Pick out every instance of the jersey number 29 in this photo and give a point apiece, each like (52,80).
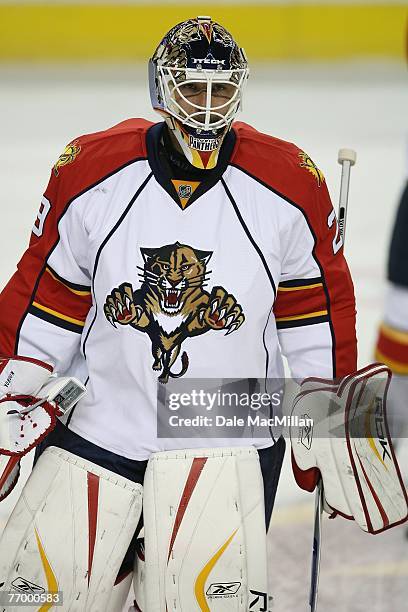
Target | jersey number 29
(338,239)
(45,208)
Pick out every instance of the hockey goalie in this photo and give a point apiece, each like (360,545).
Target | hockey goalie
(195,247)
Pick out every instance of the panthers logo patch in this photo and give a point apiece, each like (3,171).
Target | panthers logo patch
(68,156)
(172,304)
(311,167)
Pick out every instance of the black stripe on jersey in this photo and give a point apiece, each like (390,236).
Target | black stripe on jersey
(112,173)
(301,282)
(105,241)
(248,233)
(271,410)
(264,343)
(398,256)
(326,291)
(68,283)
(302,322)
(46,316)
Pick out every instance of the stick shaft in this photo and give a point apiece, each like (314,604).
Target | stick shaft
(315,570)
(343,199)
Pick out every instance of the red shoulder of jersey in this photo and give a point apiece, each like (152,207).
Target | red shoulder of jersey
(281,166)
(88,159)
(85,161)
(289,171)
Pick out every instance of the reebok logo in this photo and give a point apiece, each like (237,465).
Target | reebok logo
(223,589)
(21,584)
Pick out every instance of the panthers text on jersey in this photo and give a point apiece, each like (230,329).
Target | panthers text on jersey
(131,278)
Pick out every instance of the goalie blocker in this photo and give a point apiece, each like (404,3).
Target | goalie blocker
(31,399)
(350,447)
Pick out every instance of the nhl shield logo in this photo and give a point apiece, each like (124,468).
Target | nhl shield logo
(185,191)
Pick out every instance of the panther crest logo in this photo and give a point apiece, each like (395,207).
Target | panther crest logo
(172,304)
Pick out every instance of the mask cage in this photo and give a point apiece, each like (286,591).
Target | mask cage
(169,81)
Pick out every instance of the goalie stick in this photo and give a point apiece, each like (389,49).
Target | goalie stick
(347,158)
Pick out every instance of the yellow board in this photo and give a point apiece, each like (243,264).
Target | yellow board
(111,32)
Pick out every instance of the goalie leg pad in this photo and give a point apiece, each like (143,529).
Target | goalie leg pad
(9,473)
(204,529)
(69,532)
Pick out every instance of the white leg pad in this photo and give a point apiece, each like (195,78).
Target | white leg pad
(205,537)
(70,531)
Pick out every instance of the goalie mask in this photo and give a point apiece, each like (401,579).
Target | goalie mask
(196,79)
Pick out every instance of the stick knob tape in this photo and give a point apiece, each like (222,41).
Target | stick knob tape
(347,155)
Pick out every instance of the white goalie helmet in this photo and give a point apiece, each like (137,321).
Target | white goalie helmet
(196,77)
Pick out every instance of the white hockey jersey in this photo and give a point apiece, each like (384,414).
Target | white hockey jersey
(131,279)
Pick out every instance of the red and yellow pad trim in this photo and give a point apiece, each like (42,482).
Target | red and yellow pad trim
(199,587)
(93,499)
(192,479)
(300,302)
(392,349)
(194,474)
(52,583)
